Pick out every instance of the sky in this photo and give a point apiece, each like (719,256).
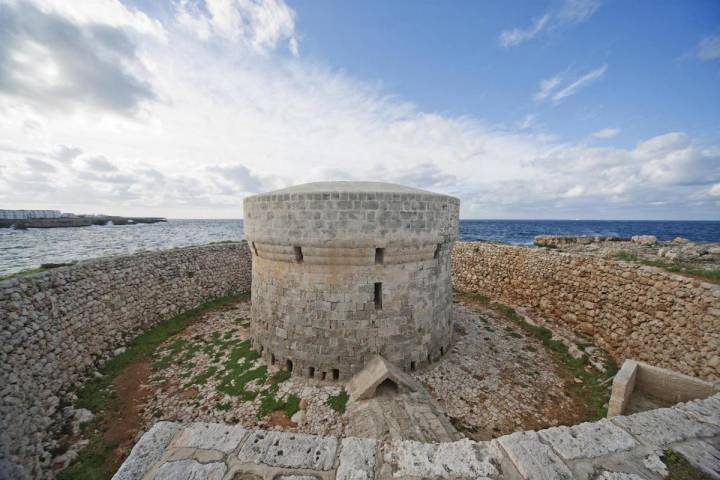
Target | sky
(564,109)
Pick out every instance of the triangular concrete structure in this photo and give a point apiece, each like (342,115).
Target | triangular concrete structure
(364,384)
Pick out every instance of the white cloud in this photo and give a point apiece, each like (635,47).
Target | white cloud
(262,24)
(228,120)
(509,38)
(558,87)
(606,133)
(709,48)
(715,190)
(547,86)
(570,12)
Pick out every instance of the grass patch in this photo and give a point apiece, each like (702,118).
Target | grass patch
(224,242)
(594,393)
(30,271)
(591,390)
(709,275)
(680,468)
(338,402)
(223,407)
(96,460)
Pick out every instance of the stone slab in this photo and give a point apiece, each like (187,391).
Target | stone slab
(289,450)
(461,459)
(618,476)
(147,451)
(588,440)
(191,470)
(357,459)
(707,410)
(703,455)
(210,436)
(664,426)
(533,459)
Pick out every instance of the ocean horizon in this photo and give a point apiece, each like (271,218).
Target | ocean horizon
(25,249)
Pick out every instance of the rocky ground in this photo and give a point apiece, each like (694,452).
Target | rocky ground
(497,380)
(680,255)
(494,381)
(209,373)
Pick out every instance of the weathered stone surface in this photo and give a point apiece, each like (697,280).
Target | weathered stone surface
(357,459)
(378,370)
(461,459)
(706,410)
(702,454)
(210,436)
(618,476)
(147,451)
(191,470)
(631,310)
(69,321)
(664,426)
(588,440)
(289,450)
(364,268)
(532,458)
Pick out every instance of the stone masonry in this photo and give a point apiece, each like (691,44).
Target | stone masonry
(60,325)
(346,270)
(624,448)
(632,311)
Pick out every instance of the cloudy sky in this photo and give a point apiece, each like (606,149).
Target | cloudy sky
(560,109)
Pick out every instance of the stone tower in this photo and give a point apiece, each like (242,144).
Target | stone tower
(346,270)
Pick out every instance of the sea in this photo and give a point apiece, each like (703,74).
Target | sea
(27,249)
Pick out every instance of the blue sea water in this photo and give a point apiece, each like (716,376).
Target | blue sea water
(23,249)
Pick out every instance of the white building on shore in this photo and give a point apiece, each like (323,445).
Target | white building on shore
(28,214)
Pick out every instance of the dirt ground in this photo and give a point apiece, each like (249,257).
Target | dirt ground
(495,380)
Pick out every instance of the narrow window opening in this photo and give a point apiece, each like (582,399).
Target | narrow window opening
(379,256)
(322,375)
(429,358)
(298,254)
(336,374)
(272,359)
(378,296)
(437,251)
(412,366)
(261,349)
(254,249)
(442,351)
(311,372)
(288,365)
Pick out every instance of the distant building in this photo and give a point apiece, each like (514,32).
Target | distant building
(28,214)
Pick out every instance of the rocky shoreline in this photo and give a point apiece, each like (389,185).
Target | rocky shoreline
(82,221)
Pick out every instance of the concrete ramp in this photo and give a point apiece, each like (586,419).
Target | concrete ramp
(380,377)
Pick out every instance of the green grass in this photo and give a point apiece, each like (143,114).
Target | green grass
(710,275)
(339,402)
(680,468)
(95,461)
(223,242)
(591,390)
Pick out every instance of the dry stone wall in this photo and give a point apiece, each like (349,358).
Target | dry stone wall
(59,325)
(633,311)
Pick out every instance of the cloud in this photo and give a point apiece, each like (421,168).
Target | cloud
(50,62)
(606,133)
(100,164)
(235,120)
(709,48)
(509,38)
(558,88)
(547,86)
(715,190)
(571,12)
(261,24)
(40,166)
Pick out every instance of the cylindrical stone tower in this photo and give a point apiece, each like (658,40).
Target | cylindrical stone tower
(345,270)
